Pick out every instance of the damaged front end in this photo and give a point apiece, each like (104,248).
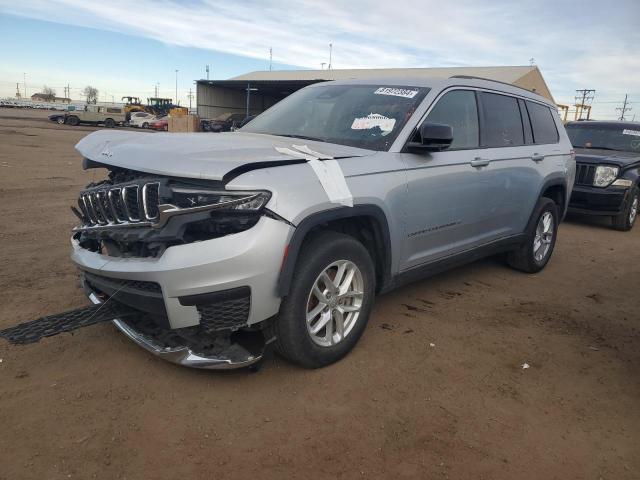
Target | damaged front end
(138,215)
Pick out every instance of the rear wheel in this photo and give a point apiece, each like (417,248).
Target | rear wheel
(73,121)
(540,239)
(627,218)
(328,306)
(109,123)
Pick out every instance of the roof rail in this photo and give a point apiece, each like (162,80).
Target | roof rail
(473,77)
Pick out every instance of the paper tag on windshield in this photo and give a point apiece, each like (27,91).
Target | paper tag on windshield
(373,120)
(635,133)
(396,92)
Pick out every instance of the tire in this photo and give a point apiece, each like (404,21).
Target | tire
(326,252)
(145,125)
(625,221)
(540,234)
(73,121)
(109,123)
(60,121)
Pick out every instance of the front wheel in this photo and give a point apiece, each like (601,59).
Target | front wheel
(540,239)
(60,120)
(145,125)
(109,123)
(328,306)
(73,121)
(627,218)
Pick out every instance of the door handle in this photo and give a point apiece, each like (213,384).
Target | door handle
(480,162)
(537,157)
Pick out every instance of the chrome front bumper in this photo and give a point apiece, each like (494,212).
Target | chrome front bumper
(184,355)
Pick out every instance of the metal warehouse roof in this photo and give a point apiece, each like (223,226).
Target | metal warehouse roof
(528,77)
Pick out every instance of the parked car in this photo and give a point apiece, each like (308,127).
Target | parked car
(225,122)
(161,123)
(58,118)
(95,115)
(141,119)
(608,170)
(283,232)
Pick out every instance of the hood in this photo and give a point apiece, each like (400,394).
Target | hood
(594,155)
(196,155)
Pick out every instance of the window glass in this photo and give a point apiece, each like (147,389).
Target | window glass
(458,109)
(544,128)
(526,123)
(502,126)
(607,136)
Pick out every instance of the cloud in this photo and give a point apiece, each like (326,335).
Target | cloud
(576,44)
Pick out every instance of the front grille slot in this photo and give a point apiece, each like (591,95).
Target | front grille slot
(150,200)
(131,202)
(585,174)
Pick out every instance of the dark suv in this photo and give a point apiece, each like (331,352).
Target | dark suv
(607,170)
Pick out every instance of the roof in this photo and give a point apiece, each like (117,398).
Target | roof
(502,74)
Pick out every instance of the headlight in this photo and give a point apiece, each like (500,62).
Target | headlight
(605,175)
(244,201)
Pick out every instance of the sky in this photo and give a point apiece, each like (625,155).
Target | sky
(127,48)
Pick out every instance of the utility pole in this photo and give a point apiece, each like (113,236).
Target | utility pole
(24,78)
(207,69)
(177,86)
(322,64)
(156,89)
(624,109)
(190,96)
(18,90)
(587,95)
(270,58)
(330,54)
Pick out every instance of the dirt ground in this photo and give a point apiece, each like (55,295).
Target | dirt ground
(435,388)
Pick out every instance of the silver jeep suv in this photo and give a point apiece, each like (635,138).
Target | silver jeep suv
(282,233)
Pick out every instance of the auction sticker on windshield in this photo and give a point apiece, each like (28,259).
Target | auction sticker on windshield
(396,92)
(635,133)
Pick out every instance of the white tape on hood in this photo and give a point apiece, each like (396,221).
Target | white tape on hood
(328,171)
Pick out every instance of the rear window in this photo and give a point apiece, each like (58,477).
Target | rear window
(542,123)
(502,125)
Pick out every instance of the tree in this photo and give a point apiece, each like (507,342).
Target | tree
(91,94)
(48,94)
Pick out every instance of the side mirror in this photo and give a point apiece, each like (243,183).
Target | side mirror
(433,137)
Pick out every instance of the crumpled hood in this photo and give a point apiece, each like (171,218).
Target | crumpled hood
(594,155)
(195,155)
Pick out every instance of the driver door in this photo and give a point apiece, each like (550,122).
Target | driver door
(447,190)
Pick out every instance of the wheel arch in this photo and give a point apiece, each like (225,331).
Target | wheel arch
(556,190)
(347,220)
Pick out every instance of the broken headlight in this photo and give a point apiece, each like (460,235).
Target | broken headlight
(227,201)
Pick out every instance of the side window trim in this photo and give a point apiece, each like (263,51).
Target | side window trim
(524,114)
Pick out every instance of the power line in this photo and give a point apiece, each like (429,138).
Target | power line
(625,108)
(587,96)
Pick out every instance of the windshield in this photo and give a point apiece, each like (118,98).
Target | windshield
(607,137)
(364,116)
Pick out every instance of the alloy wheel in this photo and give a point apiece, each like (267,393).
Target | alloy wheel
(633,213)
(544,237)
(334,303)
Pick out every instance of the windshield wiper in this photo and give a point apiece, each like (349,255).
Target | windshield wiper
(303,137)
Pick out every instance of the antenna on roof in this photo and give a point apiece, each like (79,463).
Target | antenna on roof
(532,62)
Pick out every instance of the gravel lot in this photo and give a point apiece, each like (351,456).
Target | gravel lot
(435,388)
